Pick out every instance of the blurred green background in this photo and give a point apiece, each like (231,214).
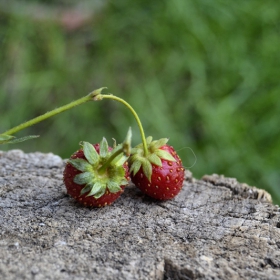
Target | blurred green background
(203,73)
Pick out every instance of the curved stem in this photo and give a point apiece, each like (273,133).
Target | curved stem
(53,112)
(111,96)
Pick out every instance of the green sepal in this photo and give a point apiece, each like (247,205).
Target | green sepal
(164,155)
(120,171)
(158,143)
(113,187)
(86,189)
(123,182)
(135,167)
(116,159)
(147,168)
(154,159)
(120,160)
(95,189)
(90,153)
(136,150)
(149,140)
(100,193)
(80,164)
(9,139)
(83,178)
(103,148)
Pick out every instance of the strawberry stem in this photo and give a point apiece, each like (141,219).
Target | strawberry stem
(104,167)
(54,112)
(124,148)
(111,96)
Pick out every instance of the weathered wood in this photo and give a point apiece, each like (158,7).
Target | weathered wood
(216,228)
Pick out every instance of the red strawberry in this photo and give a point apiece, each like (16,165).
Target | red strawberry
(160,173)
(96,175)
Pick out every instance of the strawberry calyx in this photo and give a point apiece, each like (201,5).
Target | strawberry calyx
(153,156)
(104,170)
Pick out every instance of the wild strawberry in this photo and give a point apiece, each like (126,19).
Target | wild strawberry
(159,173)
(96,175)
(155,168)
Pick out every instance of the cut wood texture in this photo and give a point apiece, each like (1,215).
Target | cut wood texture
(216,228)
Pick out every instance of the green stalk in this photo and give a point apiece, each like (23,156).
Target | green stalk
(54,112)
(103,168)
(111,96)
(125,148)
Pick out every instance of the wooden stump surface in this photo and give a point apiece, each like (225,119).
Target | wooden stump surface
(216,228)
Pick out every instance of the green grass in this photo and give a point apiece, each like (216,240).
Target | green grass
(203,73)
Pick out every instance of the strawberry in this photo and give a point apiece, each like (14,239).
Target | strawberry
(96,175)
(159,173)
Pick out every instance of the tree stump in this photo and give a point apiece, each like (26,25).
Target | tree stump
(216,228)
